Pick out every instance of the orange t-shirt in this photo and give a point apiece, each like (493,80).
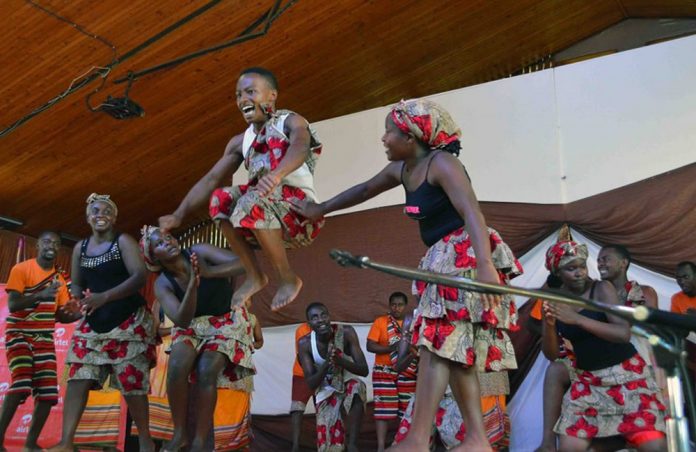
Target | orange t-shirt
(28,278)
(301,331)
(681,302)
(378,333)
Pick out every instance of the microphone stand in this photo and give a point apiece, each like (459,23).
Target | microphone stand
(665,332)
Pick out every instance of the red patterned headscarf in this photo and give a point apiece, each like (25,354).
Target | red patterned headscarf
(427,121)
(146,249)
(563,252)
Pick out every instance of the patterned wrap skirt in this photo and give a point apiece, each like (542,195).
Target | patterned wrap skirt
(127,353)
(619,400)
(247,210)
(228,334)
(451,322)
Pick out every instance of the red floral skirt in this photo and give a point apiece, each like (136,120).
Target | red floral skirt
(229,334)
(618,400)
(451,322)
(246,209)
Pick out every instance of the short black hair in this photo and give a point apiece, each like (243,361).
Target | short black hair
(316,304)
(398,295)
(621,251)
(689,264)
(263,72)
(48,231)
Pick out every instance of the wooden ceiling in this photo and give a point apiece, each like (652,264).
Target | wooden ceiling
(331,58)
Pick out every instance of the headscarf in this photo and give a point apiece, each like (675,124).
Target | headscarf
(151,263)
(427,121)
(563,252)
(94,197)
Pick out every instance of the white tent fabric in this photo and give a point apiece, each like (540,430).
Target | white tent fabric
(275,360)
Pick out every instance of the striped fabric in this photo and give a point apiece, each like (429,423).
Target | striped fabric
(32,363)
(101,420)
(42,317)
(386,396)
(161,425)
(232,420)
(496,421)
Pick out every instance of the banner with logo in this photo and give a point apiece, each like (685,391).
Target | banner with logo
(19,427)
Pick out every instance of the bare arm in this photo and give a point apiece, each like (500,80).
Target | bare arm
(358,365)
(181,312)
(258,335)
(448,172)
(550,345)
(17,301)
(199,194)
(77,285)
(615,330)
(650,297)
(216,262)
(377,348)
(313,375)
(388,178)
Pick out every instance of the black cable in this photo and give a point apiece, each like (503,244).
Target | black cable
(104,70)
(77,27)
(268,17)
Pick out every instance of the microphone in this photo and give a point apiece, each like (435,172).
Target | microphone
(658,317)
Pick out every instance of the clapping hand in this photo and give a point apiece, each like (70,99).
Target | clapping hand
(92,301)
(195,271)
(561,312)
(50,291)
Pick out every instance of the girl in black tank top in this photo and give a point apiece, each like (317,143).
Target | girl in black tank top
(115,338)
(191,284)
(208,338)
(422,145)
(612,390)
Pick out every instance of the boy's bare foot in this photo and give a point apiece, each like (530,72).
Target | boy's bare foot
(250,287)
(286,294)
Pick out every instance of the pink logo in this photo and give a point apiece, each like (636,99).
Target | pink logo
(412,209)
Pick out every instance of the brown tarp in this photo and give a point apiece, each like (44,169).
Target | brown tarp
(654,218)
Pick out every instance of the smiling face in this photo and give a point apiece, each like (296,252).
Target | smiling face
(164,248)
(610,264)
(101,216)
(319,320)
(399,145)
(255,97)
(48,246)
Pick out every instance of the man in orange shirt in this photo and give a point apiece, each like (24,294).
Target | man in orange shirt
(392,390)
(684,302)
(300,391)
(35,290)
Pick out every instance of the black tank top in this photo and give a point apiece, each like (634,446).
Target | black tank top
(592,352)
(102,273)
(430,205)
(214,295)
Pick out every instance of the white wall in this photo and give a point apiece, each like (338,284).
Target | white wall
(601,124)
(627,117)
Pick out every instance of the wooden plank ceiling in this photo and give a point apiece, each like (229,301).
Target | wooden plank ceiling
(331,57)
